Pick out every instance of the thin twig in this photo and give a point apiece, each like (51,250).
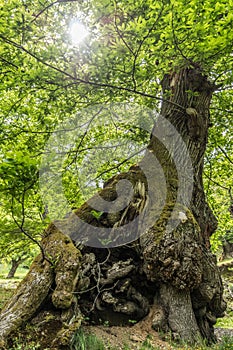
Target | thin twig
(21,226)
(119,164)
(7,62)
(50,5)
(88,82)
(215,182)
(108,256)
(225,154)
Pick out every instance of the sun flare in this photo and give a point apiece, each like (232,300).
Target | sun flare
(78,32)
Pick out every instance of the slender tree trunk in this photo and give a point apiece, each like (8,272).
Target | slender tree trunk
(14,266)
(169,265)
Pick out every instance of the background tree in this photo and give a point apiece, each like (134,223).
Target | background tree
(130,49)
(16,248)
(15,252)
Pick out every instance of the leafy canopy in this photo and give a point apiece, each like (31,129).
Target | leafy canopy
(46,79)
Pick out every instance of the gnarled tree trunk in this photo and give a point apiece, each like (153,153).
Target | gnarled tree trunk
(168,265)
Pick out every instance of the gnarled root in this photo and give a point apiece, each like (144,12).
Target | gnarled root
(58,271)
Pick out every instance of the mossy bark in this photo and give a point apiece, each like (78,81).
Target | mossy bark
(51,281)
(173,270)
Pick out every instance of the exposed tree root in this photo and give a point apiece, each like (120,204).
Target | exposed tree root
(44,283)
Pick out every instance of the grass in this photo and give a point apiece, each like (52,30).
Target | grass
(226,344)
(82,341)
(31,346)
(7,285)
(20,272)
(146,345)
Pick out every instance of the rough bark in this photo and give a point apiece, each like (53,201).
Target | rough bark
(171,269)
(47,283)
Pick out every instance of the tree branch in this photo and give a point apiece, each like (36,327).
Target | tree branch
(87,82)
(50,5)
(215,182)
(119,164)
(21,227)
(7,62)
(225,154)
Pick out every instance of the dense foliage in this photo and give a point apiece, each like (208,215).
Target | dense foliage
(47,79)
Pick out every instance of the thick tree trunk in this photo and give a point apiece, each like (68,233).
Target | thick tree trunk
(182,257)
(168,265)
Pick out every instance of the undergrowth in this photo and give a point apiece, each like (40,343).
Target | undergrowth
(82,341)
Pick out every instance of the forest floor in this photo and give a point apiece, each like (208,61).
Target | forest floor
(139,336)
(142,337)
(128,338)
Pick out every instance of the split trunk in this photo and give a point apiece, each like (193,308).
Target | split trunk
(167,271)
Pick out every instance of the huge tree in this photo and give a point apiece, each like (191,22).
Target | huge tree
(134,250)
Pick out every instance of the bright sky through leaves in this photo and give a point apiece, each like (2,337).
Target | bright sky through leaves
(78,32)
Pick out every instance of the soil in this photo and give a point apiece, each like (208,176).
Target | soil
(134,337)
(131,336)
(113,337)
